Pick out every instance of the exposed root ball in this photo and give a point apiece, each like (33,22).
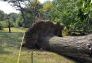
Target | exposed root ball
(35,35)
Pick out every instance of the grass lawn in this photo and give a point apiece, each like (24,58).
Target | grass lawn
(15,29)
(9,49)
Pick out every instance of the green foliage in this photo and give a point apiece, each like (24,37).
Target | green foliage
(19,21)
(4,24)
(29,11)
(27,23)
(47,6)
(1,15)
(35,9)
(74,14)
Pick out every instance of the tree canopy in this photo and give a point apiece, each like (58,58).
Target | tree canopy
(76,15)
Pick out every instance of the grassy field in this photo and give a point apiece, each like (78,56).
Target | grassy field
(9,50)
(15,29)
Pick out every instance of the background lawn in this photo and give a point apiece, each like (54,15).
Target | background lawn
(15,29)
(9,49)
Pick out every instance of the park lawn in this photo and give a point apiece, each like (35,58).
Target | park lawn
(15,29)
(9,50)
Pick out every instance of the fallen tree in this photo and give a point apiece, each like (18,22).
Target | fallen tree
(46,36)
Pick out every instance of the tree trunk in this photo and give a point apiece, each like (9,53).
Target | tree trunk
(78,48)
(9,26)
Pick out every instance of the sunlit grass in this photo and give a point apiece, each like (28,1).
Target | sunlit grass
(9,50)
(15,29)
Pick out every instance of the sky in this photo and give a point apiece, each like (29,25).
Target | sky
(42,1)
(7,8)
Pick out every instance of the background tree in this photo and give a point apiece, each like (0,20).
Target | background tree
(29,10)
(35,9)
(74,14)
(1,15)
(12,18)
(1,19)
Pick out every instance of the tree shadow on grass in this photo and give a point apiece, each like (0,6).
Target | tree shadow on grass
(3,51)
(11,39)
(78,59)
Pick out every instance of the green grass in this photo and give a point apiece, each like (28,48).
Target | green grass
(9,49)
(15,29)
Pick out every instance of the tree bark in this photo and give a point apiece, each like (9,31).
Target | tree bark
(78,48)
(9,26)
